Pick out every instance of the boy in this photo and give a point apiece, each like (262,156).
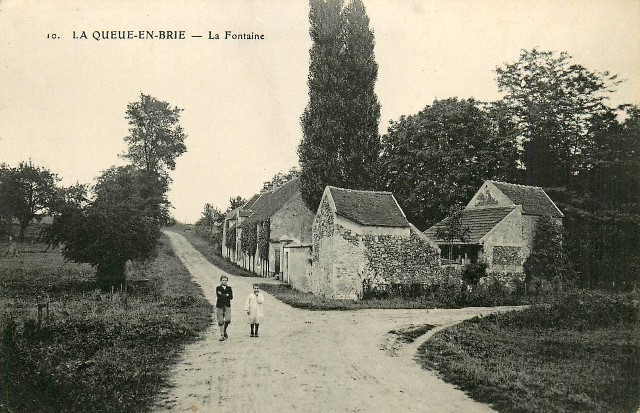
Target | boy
(223,306)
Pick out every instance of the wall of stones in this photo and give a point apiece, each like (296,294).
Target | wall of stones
(390,259)
(504,246)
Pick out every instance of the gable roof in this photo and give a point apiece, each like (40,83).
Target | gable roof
(533,199)
(479,221)
(270,202)
(251,201)
(370,208)
(232,214)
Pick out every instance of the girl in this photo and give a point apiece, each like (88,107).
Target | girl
(253,307)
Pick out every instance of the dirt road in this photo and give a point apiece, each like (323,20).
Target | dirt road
(307,361)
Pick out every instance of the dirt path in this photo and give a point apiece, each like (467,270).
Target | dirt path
(307,361)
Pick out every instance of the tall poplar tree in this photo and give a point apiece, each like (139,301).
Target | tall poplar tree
(340,144)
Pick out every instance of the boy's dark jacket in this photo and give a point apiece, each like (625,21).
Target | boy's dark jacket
(225,295)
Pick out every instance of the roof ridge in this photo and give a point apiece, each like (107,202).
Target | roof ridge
(491,207)
(512,184)
(359,190)
(283,185)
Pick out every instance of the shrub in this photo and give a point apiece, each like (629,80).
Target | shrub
(472,273)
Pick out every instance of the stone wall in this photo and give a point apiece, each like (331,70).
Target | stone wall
(343,258)
(506,256)
(393,259)
(504,246)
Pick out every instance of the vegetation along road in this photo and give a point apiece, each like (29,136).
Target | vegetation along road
(313,361)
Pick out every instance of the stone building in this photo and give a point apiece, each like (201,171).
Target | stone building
(289,222)
(501,220)
(363,237)
(280,212)
(232,223)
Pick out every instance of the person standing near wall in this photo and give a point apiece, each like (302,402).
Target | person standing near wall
(253,307)
(224,296)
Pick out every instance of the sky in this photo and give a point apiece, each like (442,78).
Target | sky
(63,99)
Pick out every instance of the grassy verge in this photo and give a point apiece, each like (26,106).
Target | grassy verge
(410,334)
(298,299)
(578,354)
(96,352)
(211,253)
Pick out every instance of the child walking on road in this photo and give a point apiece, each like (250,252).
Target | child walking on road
(223,306)
(253,307)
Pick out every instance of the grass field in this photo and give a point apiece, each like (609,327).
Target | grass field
(578,354)
(96,351)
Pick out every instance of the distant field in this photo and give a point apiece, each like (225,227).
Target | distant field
(579,354)
(96,351)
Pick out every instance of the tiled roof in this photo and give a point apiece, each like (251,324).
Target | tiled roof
(479,221)
(371,208)
(270,202)
(533,199)
(232,214)
(251,201)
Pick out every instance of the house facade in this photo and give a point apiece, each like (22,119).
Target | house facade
(281,224)
(233,219)
(363,237)
(500,220)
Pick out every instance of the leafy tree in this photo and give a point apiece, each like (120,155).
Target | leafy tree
(553,102)
(155,137)
(119,225)
(360,143)
(263,241)
(5,207)
(611,173)
(473,273)
(453,229)
(440,156)
(547,260)
(340,144)
(249,242)
(235,202)
(210,216)
(27,193)
(602,209)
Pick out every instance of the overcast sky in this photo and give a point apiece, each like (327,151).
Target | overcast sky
(63,100)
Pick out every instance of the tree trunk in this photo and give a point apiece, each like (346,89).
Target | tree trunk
(111,274)
(23,229)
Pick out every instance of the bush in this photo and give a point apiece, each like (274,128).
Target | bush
(472,273)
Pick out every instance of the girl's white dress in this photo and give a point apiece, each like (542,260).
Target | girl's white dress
(253,308)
